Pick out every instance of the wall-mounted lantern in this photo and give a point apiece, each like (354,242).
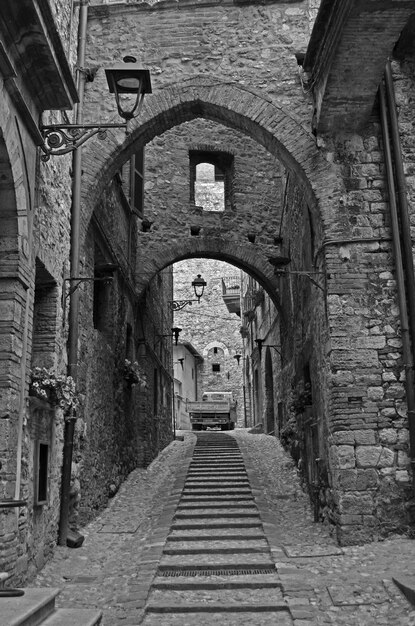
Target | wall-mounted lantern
(124,78)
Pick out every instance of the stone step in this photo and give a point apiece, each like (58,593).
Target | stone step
(205,475)
(237,480)
(207,523)
(217,457)
(212,464)
(214,535)
(220,517)
(30,609)
(239,491)
(191,506)
(213,618)
(224,542)
(242,549)
(231,459)
(217,561)
(258,581)
(209,471)
(223,513)
(180,599)
(74,617)
(268,607)
(221,498)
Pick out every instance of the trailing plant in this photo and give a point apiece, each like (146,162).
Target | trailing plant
(57,389)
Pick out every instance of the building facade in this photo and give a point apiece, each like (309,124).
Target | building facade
(271,101)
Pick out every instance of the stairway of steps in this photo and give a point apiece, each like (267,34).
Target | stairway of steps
(37,607)
(216,566)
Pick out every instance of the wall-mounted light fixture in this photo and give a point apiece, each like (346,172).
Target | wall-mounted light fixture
(181,361)
(260,344)
(237,357)
(198,285)
(103,273)
(175,332)
(124,78)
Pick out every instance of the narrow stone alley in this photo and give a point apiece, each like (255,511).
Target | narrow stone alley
(119,568)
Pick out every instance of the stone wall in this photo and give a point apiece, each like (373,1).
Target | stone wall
(119,427)
(250,44)
(368,422)
(255,187)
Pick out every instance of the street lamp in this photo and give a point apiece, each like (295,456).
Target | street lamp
(175,332)
(124,78)
(198,285)
(260,344)
(128,78)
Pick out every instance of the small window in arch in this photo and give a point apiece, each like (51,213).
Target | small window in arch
(210,180)
(209,191)
(216,351)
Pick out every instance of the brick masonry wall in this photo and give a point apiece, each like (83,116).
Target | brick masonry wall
(368,423)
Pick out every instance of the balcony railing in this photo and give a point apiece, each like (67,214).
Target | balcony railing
(231,293)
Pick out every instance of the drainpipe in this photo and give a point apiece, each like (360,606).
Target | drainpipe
(73,327)
(400,283)
(402,198)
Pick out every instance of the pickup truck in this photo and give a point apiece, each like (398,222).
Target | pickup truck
(216,410)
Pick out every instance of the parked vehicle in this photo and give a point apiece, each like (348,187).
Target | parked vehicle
(217,409)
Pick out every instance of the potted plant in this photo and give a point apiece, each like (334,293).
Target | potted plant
(57,389)
(133,374)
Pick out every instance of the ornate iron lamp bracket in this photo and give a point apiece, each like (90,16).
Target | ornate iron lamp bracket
(64,138)
(177,305)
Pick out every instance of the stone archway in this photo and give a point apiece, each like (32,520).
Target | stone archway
(250,259)
(14,272)
(266,122)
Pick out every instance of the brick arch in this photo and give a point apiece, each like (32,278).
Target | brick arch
(15,272)
(249,258)
(256,116)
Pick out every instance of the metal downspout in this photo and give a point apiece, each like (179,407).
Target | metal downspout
(400,282)
(73,322)
(403,212)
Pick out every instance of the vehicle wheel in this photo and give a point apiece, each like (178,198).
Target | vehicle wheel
(232,425)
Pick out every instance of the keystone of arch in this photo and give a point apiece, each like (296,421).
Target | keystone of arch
(254,114)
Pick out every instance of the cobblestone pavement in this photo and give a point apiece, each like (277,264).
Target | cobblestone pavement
(322,583)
